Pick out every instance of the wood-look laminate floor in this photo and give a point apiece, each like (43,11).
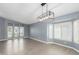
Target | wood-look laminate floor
(31,47)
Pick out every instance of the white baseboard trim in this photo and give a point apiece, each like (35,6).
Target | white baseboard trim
(3,39)
(64,46)
(26,37)
(39,40)
(55,43)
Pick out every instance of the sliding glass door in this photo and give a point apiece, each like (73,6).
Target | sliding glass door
(10,31)
(21,31)
(16,31)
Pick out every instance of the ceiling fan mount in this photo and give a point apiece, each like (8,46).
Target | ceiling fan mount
(42,4)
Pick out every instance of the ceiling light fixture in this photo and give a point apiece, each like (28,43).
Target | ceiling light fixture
(47,14)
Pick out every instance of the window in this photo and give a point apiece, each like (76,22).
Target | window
(16,31)
(66,30)
(50,31)
(10,31)
(21,31)
(57,31)
(76,31)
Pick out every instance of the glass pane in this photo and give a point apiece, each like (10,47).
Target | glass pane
(21,31)
(16,31)
(67,31)
(76,31)
(57,31)
(10,31)
(50,31)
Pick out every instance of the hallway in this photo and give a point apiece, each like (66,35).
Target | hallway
(31,47)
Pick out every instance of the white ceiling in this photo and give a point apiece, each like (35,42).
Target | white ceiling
(28,12)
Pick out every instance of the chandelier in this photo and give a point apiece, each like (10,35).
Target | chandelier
(47,14)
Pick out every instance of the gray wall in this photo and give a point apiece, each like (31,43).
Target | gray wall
(3,27)
(26,31)
(26,27)
(39,30)
(70,17)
